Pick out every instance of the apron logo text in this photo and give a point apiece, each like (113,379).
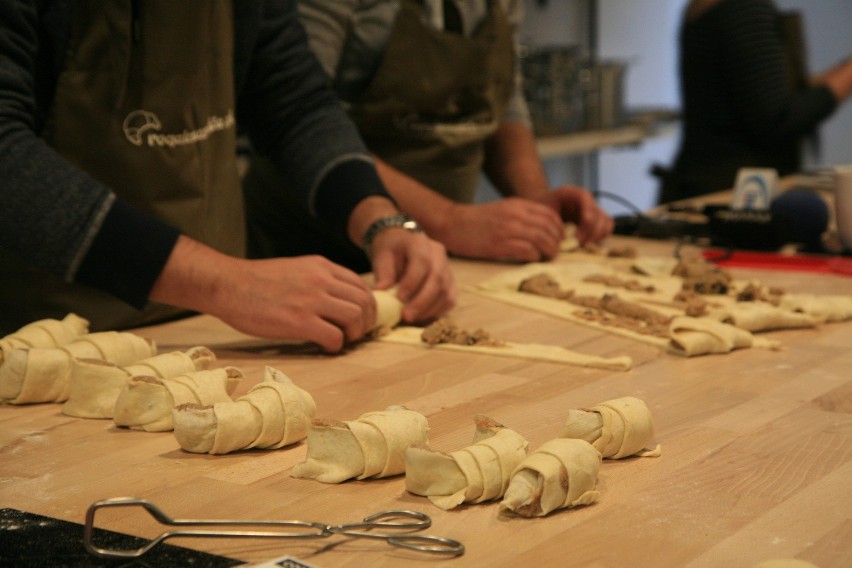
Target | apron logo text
(142,127)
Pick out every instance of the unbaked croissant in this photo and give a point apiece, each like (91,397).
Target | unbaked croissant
(146,403)
(44,333)
(44,374)
(616,428)
(372,446)
(96,384)
(273,414)
(474,474)
(561,473)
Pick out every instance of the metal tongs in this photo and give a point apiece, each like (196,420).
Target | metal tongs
(373,526)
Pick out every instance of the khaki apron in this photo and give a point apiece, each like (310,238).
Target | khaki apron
(436,97)
(122,113)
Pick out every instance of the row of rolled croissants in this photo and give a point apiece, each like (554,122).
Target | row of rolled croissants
(120,376)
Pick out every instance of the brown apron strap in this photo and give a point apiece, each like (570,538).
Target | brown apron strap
(436,97)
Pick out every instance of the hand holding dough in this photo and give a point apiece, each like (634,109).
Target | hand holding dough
(96,384)
(374,445)
(474,474)
(146,403)
(44,333)
(44,374)
(616,428)
(561,473)
(273,414)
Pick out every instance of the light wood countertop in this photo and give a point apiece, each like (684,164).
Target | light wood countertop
(756,446)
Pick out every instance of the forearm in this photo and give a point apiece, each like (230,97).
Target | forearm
(192,276)
(512,162)
(428,207)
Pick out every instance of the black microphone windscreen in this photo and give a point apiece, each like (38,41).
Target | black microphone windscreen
(801,216)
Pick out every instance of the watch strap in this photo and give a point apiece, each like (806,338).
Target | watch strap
(398,221)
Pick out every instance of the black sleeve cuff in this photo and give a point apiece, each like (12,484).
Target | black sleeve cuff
(128,254)
(342,188)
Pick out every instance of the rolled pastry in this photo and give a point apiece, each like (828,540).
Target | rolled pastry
(95,384)
(616,428)
(44,374)
(828,307)
(374,445)
(474,474)
(388,311)
(703,336)
(561,473)
(146,403)
(44,333)
(761,316)
(273,414)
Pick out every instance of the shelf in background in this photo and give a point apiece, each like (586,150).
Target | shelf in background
(640,128)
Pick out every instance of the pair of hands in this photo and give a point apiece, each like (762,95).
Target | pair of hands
(523,229)
(308,297)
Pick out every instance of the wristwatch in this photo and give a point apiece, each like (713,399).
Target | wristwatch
(399,221)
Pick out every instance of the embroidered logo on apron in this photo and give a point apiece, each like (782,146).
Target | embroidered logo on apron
(140,122)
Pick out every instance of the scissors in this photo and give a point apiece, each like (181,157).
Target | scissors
(390,526)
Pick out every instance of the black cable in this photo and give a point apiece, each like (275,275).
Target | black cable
(615,197)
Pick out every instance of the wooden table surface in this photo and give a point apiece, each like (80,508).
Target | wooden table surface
(756,446)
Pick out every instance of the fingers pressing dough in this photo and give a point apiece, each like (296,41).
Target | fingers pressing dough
(44,333)
(95,384)
(474,474)
(146,403)
(616,428)
(561,473)
(374,445)
(44,374)
(273,414)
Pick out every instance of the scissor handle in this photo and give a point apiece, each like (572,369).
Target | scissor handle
(428,543)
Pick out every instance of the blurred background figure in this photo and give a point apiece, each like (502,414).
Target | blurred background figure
(746,95)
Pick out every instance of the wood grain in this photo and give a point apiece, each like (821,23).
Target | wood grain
(756,463)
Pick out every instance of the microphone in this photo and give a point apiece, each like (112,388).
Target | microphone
(796,216)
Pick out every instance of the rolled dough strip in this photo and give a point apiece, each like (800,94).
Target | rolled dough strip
(273,414)
(410,335)
(44,333)
(474,474)
(146,403)
(702,336)
(44,374)
(761,316)
(616,428)
(372,446)
(95,384)
(561,473)
(829,308)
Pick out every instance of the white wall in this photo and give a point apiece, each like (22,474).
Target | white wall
(644,34)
